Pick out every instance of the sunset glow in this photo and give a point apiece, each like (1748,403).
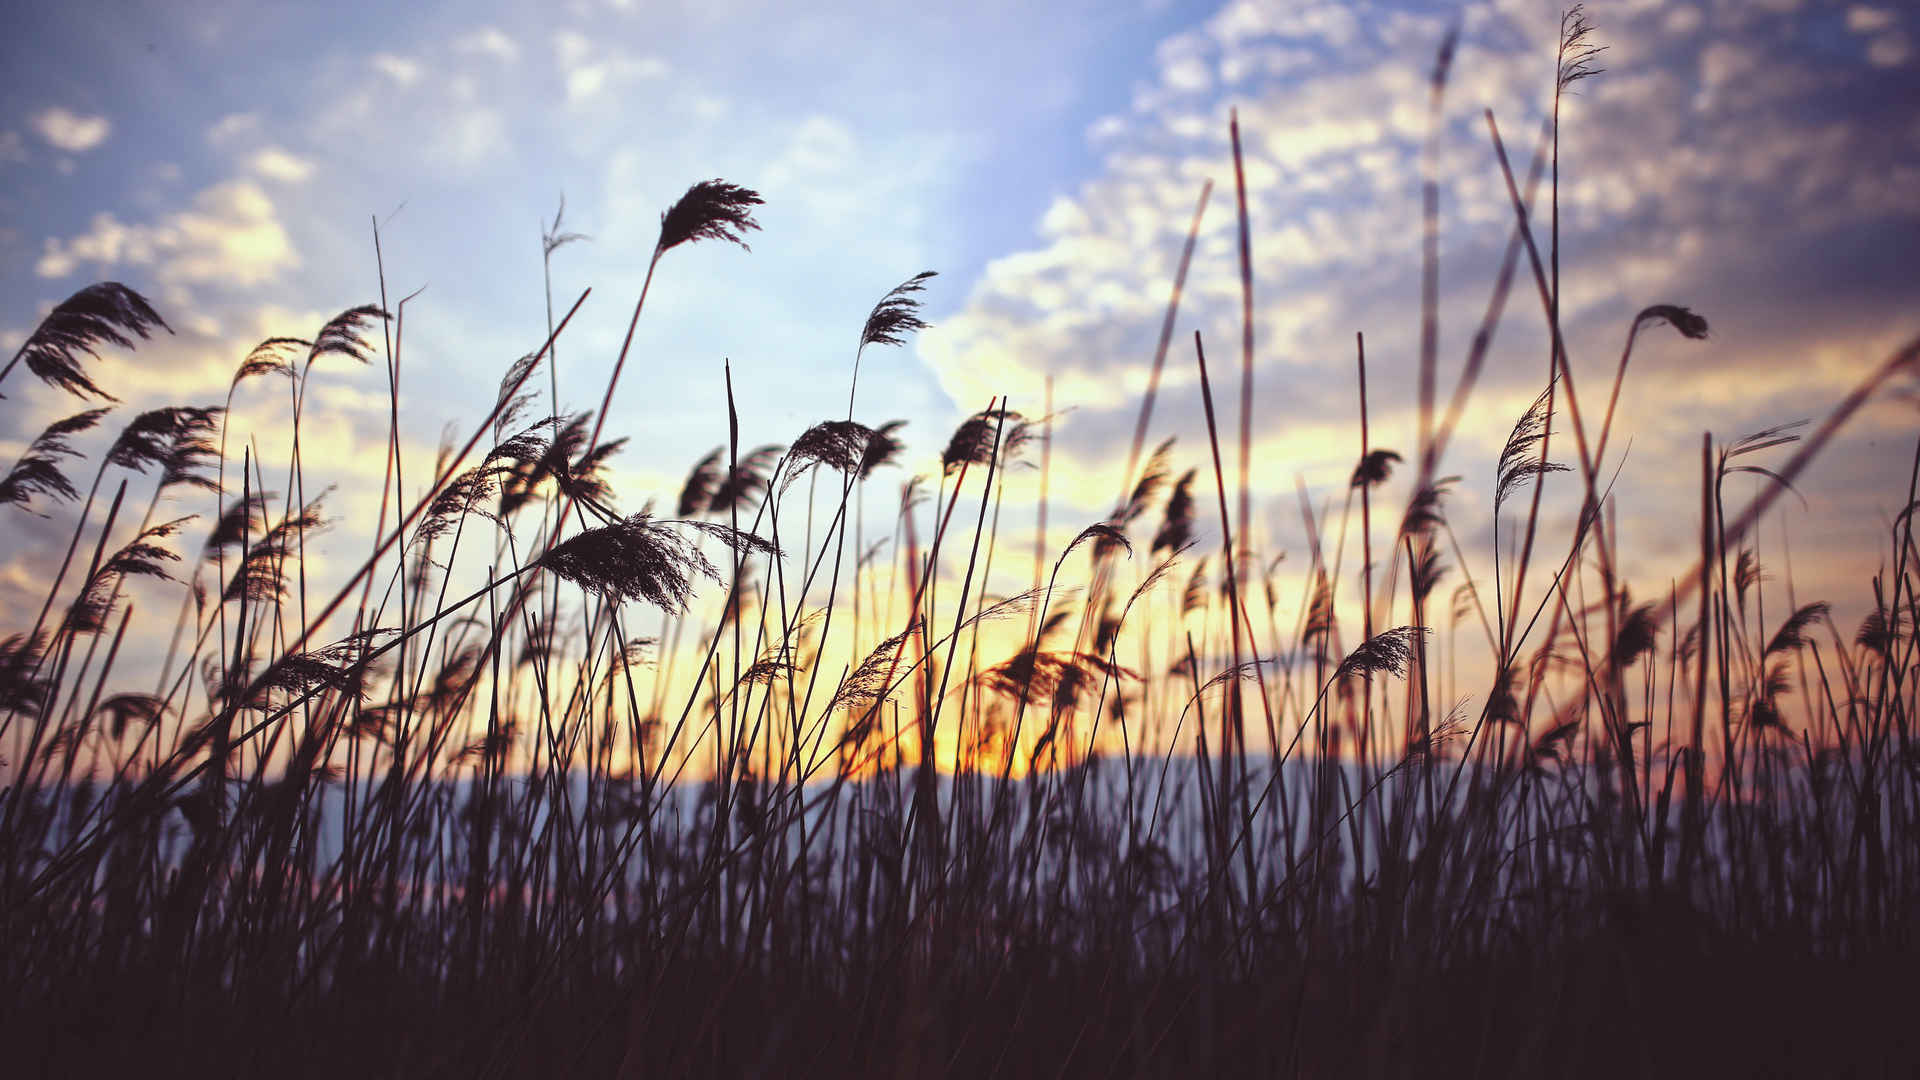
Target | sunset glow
(659,539)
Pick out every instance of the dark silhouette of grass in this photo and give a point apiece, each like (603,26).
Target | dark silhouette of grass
(858,820)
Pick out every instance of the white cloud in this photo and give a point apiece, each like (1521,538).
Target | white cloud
(277,164)
(1333,117)
(585,81)
(1683,19)
(13,149)
(820,145)
(1862,19)
(400,69)
(488,41)
(589,68)
(70,131)
(232,126)
(230,236)
(1183,65)
(571,47)
(470,137)
(55,261)
(1889,50)
(1723,62)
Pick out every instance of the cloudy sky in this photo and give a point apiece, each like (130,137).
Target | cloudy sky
(1756,160)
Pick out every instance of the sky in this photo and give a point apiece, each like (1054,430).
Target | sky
(1755,160)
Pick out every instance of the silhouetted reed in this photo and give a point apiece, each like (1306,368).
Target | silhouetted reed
(902,810)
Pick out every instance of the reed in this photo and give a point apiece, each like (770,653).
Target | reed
(869,806)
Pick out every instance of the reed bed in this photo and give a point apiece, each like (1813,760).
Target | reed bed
(548,787)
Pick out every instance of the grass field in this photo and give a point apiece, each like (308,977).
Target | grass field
(800,778)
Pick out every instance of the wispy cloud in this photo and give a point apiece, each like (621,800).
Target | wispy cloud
(592,68)
(488,41)
(76,133)
(1673,157)
(233,126)
(403,70)
(1715,163)
(231,236)
(1753,161)
(277,164)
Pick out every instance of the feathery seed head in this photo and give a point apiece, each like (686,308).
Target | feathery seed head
(103,313)
(710,210)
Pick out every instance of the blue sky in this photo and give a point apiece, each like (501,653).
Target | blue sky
(886,142)
(1758,160)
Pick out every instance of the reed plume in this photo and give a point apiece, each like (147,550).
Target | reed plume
(106,313)
(710,210)
(38,471)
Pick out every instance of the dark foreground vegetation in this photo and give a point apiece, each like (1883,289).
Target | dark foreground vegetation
(545,788)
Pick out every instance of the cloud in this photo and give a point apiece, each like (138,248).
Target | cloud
(70,131)
(233,126)
(277,164)
(343,413)
(400,69)
(231,236)
(1862,19)
(591,68)
(488,41)
(471,137)
(1889,50)
(1759,186)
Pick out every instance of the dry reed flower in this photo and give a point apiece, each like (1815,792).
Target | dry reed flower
(510,406)
(840,445)
(745,484)
(261,576)
(1689,324)
(1638,634)
(883,448)
(120,709)
(1105,537)
(1374,469)
(1516,463)
(140,557)
(1424,511)
(1194,597)
(554,237)
(1386,653)
(1427,570)
(106,313)
(38,472)
(174,438)
(274,356)
(1793,632)
(345,335)
(245,516)
(1176,524)
(637,558)
(1059,676)
(897,314)
(710,210)
(974,441)
(1577,50)
(1320,615)
(865,685)
(701,483)
(1878,634)
(21,687)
